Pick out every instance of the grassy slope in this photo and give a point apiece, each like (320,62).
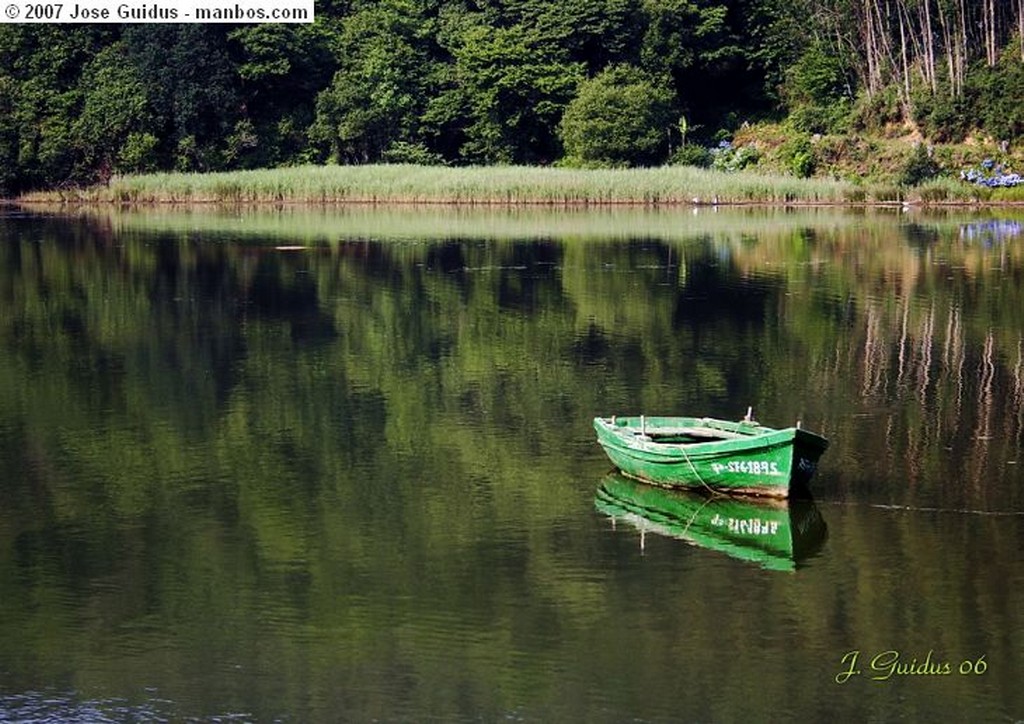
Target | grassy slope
(875,162)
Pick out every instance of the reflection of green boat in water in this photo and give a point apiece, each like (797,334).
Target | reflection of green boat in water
(775,534)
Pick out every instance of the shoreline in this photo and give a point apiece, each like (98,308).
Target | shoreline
(212,203)
(518,186)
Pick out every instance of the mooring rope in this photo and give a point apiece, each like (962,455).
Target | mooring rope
(682,449)
(693,517)
(923,509)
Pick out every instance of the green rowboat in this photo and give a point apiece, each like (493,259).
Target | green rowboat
(701,452)
(775,534)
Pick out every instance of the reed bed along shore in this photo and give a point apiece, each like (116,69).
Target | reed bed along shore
(465,185)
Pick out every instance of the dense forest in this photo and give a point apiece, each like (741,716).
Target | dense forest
(571,82)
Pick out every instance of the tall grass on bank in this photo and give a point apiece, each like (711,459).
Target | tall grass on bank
(471,185)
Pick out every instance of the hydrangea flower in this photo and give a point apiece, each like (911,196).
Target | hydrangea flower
(992,176)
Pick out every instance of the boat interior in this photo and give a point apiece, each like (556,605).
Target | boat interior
(683,435)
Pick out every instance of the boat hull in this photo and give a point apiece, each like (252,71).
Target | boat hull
(738,457)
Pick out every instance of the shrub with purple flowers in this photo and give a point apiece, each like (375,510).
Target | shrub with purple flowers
(991,174)
(726,157)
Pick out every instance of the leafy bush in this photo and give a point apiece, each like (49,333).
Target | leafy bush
(877,112)
(996,93)
(241,145)
(814,118)
(798,154)
(138,154)
(726,157)
(939,115)
(817,89)
(919,167)
(618,118)
(414,153)
(819,76)
(692,155)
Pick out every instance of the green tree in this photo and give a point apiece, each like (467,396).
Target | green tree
(619,118)
(996,93)
(41,66)
(192,88)
(515,88)
(379,91)
(8,135)
(683,34)
(114,107)
(596,33)
(918,167)
(694,43)
(281,69)
(818,90)
(138,154)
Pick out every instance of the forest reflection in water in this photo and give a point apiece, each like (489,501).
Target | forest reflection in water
(311,463)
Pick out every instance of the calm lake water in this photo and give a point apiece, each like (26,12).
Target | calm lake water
(339,465)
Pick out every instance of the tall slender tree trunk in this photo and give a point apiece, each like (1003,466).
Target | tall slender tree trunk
(929,46)
(906,69)
(886,42)
(914,44)
(991,28)
(1020,27)
(869,47)
(961,51)
(947,42)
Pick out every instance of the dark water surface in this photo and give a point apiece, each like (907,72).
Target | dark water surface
(338,465)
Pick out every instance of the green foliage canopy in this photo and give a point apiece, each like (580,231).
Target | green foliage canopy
(516,90)
(457,82)
(378,93)
(618,118)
